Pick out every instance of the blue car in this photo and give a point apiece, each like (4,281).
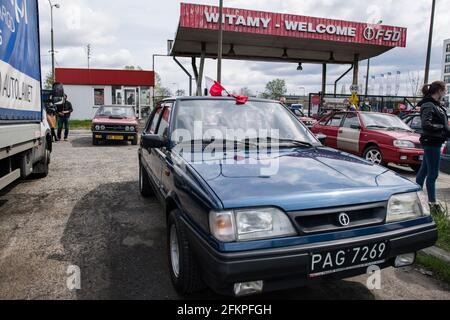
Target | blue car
(255,203)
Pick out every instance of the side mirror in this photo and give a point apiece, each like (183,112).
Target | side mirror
(355,126)
(322,138)
(153,141)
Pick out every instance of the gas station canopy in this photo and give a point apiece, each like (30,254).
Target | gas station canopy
(264,36)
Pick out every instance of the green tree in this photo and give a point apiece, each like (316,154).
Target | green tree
(275,89)
(48,81)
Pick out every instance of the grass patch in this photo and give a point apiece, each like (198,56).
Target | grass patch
(440,268)
(443,224)
(80,124)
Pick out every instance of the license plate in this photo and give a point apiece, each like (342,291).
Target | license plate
(420,158)
(114,137)
(329,262)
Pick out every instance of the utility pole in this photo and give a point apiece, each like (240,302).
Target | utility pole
(220,44)
(430,43)
(57,6)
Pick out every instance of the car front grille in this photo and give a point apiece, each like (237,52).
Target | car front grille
(115,128)
(327,220)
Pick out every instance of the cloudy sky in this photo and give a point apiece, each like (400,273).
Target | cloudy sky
(130,32)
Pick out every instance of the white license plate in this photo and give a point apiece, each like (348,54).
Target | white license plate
(329,262)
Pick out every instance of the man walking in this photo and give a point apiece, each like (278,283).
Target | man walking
(64,112)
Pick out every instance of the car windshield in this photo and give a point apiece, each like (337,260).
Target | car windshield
(384,122)
(252,123)
(115,112)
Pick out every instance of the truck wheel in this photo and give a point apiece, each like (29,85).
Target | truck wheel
(184,270)
(41,169)
(144,183)
(373,154)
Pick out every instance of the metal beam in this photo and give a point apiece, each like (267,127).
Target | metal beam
(220,44)
(324,78)
(340,78)
(367,77)
(187,72)
(202,68)
(356,70)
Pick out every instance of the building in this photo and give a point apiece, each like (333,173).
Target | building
(446,63)
(89,88)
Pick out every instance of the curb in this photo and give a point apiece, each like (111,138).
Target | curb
(437,253)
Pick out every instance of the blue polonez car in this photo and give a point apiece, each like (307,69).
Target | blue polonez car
(271,209)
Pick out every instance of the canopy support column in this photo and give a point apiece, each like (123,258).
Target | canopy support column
(202,68)
(324,79)
(187,72)
(356,70)
(339,79)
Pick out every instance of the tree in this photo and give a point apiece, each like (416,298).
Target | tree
(275,89)
(160,91)
(245,91)
(180,93)
(133,68)
(48,82)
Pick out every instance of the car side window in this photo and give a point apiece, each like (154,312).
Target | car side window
(155,120)
(351,120)
(336,120)
(165,121)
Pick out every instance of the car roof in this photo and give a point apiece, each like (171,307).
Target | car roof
(209,98)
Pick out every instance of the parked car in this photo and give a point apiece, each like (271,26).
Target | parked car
(377,137)
(298,111)
(275,211)
(415,122)
(445,163)
(115,123)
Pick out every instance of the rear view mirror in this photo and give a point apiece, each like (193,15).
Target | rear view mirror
(153,141)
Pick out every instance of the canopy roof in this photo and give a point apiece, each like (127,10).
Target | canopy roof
(264,36)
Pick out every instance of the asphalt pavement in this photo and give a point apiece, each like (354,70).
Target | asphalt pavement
(88,213)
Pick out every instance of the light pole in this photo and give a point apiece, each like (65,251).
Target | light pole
(430,43)
(57,6)
(220,44)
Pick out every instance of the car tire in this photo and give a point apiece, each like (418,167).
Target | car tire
(373,154)
(184,270)
(41,169)
(416,167)
(144,183)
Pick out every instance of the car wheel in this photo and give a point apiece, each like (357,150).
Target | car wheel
(144,183)
(41,169)
(416,167)
(373,154)
(184,270)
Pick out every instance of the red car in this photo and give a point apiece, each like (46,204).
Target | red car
(377,137)
(115,123)
(307,121)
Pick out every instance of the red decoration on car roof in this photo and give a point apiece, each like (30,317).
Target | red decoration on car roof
(217,90)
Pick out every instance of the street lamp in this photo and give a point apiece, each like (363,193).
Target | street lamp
(57,6)
(430,43)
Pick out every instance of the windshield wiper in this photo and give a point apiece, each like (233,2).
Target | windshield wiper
(398,128)
(293,142)
(377,127)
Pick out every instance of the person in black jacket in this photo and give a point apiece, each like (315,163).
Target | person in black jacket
(435,133)
(64,111)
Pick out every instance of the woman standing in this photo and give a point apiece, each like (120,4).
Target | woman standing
(435,133)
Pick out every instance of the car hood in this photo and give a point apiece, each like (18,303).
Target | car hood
(402,135)
(297,179)
(107,120)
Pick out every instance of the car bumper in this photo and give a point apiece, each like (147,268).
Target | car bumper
(118,136)
(405,156)
(288,268)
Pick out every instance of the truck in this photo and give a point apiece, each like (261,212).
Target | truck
(25,139)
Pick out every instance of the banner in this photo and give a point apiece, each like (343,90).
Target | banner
(20,73)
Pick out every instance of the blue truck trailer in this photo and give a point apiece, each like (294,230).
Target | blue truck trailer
(25,140)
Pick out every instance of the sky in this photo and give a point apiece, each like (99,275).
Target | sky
(130,32)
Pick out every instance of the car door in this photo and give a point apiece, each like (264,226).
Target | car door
(332,129)
(349,134)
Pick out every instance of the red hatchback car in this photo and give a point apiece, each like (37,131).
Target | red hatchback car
(377,137)
(115,123)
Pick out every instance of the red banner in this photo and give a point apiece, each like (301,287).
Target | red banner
(287,25)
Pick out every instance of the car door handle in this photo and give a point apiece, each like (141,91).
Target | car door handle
(341,131)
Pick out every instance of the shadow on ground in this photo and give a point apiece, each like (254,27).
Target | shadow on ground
(118,240)
(86,142)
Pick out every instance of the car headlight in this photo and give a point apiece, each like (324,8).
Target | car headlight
(132,129)
(407,206)
(404,144)
(127,128)
(251,224)
(103,128)
(97,127)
